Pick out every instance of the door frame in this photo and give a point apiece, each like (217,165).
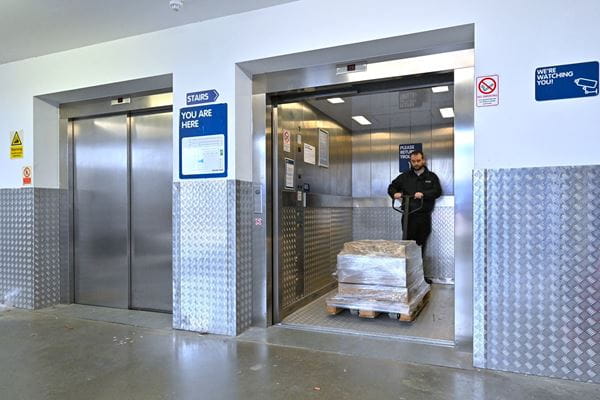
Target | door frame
(154,102)
(461,62)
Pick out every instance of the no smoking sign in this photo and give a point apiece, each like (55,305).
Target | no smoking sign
(487,91)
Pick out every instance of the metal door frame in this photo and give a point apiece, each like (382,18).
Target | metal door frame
(135,104)
(461,62)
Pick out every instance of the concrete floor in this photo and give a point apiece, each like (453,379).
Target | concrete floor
(48,355)
(435,323)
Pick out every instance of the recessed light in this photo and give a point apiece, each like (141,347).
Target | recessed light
(335,100)
(447,112)
(361,120)
(439,89)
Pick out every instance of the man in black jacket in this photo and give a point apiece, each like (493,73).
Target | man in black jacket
(422,184)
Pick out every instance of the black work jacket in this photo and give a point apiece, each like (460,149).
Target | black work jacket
(409,183)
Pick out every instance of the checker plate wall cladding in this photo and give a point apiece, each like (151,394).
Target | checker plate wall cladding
(288,256)
(17,278)
(205,300)
(541,272)
(316,249)
(385,223)
(30,275)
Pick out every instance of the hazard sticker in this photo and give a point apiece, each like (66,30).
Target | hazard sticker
(487,91)
(26,176)
(16,145)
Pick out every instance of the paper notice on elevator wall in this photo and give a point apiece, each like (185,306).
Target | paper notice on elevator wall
(310,155)
(289,173)
(287,141)
(203,155)
(323,148)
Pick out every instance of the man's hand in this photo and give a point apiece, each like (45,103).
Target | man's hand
(397,196)
(418,195)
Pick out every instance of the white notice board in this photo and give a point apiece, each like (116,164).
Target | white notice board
(323,148)
(201,155)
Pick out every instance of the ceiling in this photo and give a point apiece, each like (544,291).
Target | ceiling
(31,28)
(417,107)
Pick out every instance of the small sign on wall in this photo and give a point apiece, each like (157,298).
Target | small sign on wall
(27,172)
(16,145)
(405,150)
(566,81)
(203,142)
(487,91)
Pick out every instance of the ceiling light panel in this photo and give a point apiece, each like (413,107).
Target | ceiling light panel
(361,120)
(335,100)
(447,112)
(439,89)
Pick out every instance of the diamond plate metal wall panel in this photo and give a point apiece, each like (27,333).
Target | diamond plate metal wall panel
(289,266)
(46,247)
(385,223)
(341,232)
(64,248)
(439,253)
(543,271)
(376,223)
(17,277)
(177,321)
(244,207)
(317,267)
(206,299)
(479,270)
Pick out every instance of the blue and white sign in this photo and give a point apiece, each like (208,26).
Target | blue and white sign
(203,142)
(206,96)
(405,150)
(566,81)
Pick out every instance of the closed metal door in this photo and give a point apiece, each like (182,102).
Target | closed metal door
(151,220)
(101,212)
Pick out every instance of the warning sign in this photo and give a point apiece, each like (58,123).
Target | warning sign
(26,176)
(487,91)
(16,145)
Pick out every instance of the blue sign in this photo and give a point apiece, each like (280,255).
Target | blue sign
(206,96)
(405,150)
(566,81)
(203,142)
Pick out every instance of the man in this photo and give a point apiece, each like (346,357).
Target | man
(422,184)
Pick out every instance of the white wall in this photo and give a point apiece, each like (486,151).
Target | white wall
(512,38)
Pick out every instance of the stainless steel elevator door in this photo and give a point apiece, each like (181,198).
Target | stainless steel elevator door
(101,212)
(151,220)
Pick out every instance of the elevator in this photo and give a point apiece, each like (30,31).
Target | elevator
(121,180)
(327,175)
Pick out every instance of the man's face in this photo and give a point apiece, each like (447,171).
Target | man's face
(417,161)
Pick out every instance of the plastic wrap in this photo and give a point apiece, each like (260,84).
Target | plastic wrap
(379,262)
(370,303)
(380,275)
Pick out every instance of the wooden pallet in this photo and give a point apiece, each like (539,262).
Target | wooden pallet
(333,310)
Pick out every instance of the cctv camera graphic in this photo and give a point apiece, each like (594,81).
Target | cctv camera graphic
(589,86)
(175,4)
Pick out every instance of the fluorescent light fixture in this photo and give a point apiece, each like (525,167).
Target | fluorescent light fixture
(361,120)
(439,89)
(336,100)
(447,112)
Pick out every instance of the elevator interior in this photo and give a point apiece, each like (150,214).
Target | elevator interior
(331,179)
(120,186)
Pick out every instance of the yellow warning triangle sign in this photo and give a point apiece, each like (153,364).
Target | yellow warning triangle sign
(16,140)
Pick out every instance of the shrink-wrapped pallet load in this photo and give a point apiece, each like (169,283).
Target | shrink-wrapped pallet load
(380,276)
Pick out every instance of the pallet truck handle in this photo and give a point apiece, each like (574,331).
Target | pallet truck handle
(406,205)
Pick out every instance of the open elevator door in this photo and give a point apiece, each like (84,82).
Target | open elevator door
(315,196)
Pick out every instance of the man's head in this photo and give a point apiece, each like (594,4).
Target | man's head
(417,160)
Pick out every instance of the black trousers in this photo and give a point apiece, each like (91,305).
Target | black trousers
(419,228)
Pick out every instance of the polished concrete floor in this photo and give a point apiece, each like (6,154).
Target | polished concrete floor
(435,323)
(50,355)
